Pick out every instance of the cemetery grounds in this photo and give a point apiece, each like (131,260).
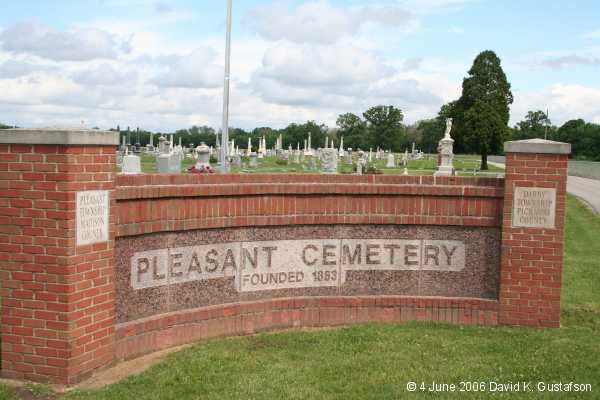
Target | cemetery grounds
(466,165)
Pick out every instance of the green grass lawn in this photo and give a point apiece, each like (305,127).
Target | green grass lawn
(376,361)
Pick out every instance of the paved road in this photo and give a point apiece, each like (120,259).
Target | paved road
(587,189)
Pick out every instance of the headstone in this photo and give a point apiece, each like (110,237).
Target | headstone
(348,158)
(237,160)
(253,162)
(131,164)
(446,143)
(176,160)
(391,161)
(308,151)
(359,167)
(312,163)
(162,145)
(203,156)
(168,161)
(329,160)
(162,163)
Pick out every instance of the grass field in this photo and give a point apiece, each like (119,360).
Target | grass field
(376,361)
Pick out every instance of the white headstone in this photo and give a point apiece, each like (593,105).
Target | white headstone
(131,164)
(329,160)
(391,161)
(253,162)
(203,156)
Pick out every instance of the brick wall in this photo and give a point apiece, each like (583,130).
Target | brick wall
(161,202)
(57,298)
(150,334)
(532,258)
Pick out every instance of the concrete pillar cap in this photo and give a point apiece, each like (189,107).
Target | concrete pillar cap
(61,136)
(537,146)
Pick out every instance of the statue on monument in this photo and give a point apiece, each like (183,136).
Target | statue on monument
(446,155)
(448,128)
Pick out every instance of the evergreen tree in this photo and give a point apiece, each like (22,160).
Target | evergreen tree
(486,89)
(483,129)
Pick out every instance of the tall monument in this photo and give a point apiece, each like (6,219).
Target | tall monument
(445,148)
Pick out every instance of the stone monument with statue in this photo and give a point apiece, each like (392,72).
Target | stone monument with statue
(445,146)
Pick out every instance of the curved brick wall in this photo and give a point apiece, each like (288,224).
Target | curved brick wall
(96,267)
(172,329)
(162,202)
(157,211)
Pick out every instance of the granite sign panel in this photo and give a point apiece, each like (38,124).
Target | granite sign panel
(167,272)
(534,207)
(92,216)
(287,264)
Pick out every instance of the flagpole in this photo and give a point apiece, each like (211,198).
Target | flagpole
(225,129)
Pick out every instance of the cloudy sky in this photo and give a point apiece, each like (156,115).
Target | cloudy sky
(159,64)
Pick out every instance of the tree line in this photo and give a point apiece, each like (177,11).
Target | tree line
(480,124)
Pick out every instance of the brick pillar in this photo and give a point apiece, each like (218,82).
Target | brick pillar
(57,278)
(533,232)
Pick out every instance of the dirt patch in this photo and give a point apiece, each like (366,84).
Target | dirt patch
(26,393)
(125,369)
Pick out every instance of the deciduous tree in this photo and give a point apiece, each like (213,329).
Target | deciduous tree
(385,125)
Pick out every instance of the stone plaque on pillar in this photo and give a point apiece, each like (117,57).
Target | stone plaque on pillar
(92,217)
(534,207)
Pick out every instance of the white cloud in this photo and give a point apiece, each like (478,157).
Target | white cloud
(434,6)
(459,30)
(405,91)
(105,74)
(196,70)
(17,68)
(326,80)
(592,35)
(319,21)
(81,44)
(161,7)
(571,59)
(412,64)
(564,102)
(307,65)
